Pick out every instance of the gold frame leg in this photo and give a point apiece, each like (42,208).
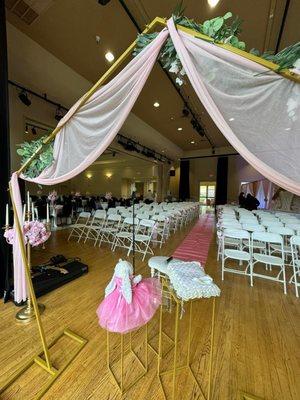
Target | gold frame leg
(42,359)
(247,396)
(144,365)
(53,372)
(176,368)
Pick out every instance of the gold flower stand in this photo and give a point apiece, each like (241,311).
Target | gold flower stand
(119,382)
(187,366)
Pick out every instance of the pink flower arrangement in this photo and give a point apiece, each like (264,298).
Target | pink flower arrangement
(108,196)
(52,196)
(34,232)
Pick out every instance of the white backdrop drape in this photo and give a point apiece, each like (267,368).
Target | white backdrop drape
(256,110)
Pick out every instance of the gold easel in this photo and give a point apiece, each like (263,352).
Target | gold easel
(144,365)
(42,359)
(176,369)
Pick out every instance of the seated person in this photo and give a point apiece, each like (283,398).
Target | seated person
(251,203)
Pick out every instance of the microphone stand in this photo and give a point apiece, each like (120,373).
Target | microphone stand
(133,197)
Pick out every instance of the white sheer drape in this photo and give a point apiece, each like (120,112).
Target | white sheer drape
(256,109)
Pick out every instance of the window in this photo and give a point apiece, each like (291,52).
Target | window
(207,193)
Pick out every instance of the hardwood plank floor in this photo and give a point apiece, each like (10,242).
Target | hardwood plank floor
(256,338)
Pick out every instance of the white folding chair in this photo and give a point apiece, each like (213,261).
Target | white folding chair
(269,239)
(94,228)
(286,233)
(80,226)
(295,246)
(111,211)
(161,229)
(236,254)
(111,227)
(122,238)
(143,238)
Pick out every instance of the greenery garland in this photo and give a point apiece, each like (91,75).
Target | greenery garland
(224,29)
(42,161)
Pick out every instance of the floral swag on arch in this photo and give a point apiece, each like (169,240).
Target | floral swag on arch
(254,107)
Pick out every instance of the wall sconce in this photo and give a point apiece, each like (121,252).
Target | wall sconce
(89,175)
(108,175)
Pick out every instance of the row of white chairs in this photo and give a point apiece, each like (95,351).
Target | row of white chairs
(267,248)
(116,228)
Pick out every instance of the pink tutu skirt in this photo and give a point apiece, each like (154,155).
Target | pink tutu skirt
(116,315)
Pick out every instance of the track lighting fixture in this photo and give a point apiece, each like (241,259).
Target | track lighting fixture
(213,151)
(103,2)
(58,113)
(185,112)
(198,128)
(33,130)
(23,96)
(26,128)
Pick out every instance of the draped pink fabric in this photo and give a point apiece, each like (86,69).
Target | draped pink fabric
(208,68)
(85,134)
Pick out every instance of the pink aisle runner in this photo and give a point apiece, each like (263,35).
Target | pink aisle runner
(196,244)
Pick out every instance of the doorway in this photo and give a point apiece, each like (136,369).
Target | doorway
(207,192)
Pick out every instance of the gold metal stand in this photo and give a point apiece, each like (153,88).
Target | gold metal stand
(187,364)
(42,359)
(27,314)
(144,365)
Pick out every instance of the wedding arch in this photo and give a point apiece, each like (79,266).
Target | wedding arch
(253,103)
(254,106)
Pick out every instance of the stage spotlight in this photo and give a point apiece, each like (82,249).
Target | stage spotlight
(33,130)
(185,113)
(26,128)
(23,96)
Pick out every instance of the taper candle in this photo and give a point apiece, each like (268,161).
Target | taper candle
(24,212)
(48,213)
(6,216)
(28,201)
(32,211)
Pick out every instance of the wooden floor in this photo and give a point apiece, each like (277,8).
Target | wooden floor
(256,340)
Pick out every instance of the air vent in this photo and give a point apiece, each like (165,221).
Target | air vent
(28,11)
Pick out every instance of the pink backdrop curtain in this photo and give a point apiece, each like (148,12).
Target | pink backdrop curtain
(255,109)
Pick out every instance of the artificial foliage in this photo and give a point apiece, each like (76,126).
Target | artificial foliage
(42,161)
(225,29)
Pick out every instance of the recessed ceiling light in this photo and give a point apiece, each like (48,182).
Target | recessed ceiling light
(162,151)
(109,56)
(172,118)
(213,3)
(156,104)
(193,142)
(231,119)
(179,129)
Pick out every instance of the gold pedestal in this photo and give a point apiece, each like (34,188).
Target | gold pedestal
(187,365)
(144,365)
(27,314)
